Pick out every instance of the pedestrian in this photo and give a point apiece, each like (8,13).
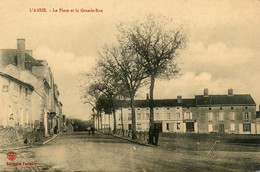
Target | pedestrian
(156,134)
(93,130)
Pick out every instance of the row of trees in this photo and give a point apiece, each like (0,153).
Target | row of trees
(146,50)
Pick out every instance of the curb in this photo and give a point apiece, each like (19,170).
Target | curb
(133,141)
(15,148)
(47,141)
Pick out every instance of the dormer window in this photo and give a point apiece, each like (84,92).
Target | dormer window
(246,107)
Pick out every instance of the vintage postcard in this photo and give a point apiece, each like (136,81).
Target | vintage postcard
(116,85)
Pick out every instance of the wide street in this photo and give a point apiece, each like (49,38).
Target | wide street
(83,152)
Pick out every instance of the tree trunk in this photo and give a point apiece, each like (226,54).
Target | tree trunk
(133,118)
(98,121)
(101,120)
(109,123)
(122,122)
(114,115)
(151,111)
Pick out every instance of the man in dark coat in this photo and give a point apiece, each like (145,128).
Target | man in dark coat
(92,130)
(156,134)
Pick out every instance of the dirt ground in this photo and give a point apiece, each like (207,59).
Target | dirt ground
(83,152)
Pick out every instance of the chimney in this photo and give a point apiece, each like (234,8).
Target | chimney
(230,92)
(21,53)
(147,96)
(179,100)
(21,44)
(206,92)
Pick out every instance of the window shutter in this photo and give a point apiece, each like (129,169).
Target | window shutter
(240,128)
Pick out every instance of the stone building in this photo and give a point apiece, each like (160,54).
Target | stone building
(34,79)
(230,113)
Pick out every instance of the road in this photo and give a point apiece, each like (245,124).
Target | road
(84,152)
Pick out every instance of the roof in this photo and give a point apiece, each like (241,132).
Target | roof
(224,100)
(30,59)
(16,80)
(161,103)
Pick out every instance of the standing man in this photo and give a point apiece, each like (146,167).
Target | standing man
(156,134)
(93,130)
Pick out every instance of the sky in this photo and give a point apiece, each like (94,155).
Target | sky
(223,50)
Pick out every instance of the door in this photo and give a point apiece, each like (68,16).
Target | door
(189,126)
(221,128)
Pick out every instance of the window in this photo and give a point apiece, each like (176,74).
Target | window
(210,127)
(147,108)
(220,108)
(221,116)
(178,115)
(147,116)
(157,108)
(167,126)
(232,127)
(138,108)
(246,127)
(15,60)
(168,108)
(119,118)
(129,117)
(168,116)
(232,108)
(20,90)
(246,107)
(157,116)
(178,126)
(232,116)
(138,116)
(139,126)
(188,115)
(210,108)
(178,108)
(210,116)
(246,116)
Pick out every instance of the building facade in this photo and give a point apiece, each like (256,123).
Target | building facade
(230,113)
(30,84)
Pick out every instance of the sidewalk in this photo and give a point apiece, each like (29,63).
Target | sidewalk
(137,141)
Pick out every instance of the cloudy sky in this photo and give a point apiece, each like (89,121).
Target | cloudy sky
(223,50)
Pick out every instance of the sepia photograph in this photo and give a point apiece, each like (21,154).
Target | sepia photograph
(129,85)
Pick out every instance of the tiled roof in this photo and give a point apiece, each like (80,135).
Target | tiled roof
(17,80)
(224,100)
(161,103)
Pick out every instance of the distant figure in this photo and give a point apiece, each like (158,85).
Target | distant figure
(93,130)
(156,134)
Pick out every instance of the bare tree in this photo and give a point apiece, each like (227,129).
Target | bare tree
(119,64)
(156,47)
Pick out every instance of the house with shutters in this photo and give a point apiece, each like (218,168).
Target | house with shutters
(230,113)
